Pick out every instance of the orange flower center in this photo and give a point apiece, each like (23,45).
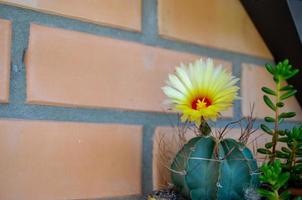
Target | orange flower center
(207,102)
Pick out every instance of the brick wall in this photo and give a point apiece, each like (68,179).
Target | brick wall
(80,89)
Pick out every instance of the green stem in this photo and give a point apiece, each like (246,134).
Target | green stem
(276,194)
(293,156)
(275,134)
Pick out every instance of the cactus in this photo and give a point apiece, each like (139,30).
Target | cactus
(207,169)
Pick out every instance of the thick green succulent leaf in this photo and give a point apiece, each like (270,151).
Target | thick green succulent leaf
(266,129)
(269,102)
(280,120)
(281,154)
(264,151)
(236,171)
(283,139)
(285,62)
(285,195)
(282,180)
(268,91)
(268,194)
(277,78)
(268,145)
(281,132)
(287,87)
(269,119)
(287,115)
(202,169)
(280,104)
(270,68)
(293,73)
(286,150)
(288,94)
(179,167)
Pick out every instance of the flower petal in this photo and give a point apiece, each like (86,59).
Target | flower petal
(198,81)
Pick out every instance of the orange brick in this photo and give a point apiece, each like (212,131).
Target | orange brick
(77,69)
(60,160)
(5,47)
(167,143)
(253,79)
(116,13)
(217,23)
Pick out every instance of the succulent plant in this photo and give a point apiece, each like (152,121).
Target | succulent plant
(281,72)
(292,154)
(206,168)
(278,176)
(273,179)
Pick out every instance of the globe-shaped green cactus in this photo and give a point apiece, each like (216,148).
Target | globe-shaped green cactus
(207,169)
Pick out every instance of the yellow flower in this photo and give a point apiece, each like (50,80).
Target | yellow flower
(200,90)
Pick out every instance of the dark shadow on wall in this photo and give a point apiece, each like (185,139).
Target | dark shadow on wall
(280,24)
